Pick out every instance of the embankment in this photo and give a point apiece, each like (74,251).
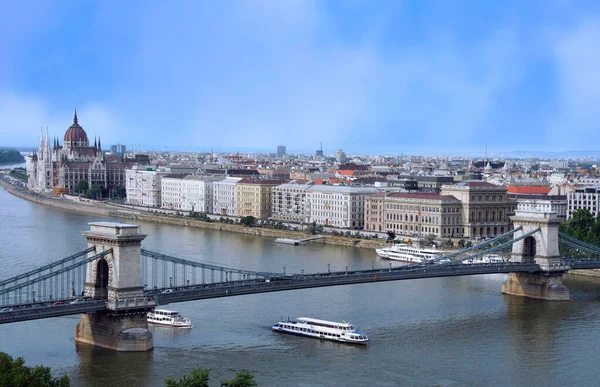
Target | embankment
(107,210)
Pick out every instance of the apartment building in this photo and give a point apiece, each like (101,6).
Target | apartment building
(224,196)
(485,208)
(337,206)
(587,198)
(289,202)
(254,197)
(143,186)
(188,192)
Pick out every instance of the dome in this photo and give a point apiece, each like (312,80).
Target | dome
(76,134)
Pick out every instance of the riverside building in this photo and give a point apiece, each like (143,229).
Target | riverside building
(60,168)
(224,196)
(188,192)
(485,208)
(253,197)
(289,202)
(337,206)
(420,214)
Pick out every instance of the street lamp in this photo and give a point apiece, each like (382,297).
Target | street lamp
(328,268)
(170,282)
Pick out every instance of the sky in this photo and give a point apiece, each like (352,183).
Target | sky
(370,77)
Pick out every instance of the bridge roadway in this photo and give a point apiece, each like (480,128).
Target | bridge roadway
(39,310)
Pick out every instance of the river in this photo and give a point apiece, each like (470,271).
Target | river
(444,332)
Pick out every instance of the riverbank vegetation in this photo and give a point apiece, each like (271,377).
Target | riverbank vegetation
(200,378)
(14,373)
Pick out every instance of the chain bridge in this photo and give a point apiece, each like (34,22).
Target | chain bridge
(114,282)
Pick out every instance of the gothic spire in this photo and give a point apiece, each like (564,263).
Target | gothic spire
(75,117)
(95,143)
(99,145)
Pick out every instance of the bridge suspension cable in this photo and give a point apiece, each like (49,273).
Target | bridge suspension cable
(49,266)
(577,244)
(48,284)
(161,271)
(478,246)
(487,251)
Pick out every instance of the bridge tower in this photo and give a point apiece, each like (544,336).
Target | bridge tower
(116,278)
(542,249)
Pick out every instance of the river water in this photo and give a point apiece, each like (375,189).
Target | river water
(443,332)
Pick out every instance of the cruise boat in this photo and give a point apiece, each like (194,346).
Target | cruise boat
(322,329)
(168,318)
(407,253)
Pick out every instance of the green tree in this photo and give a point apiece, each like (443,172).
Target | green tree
(82,186)
(391,235)
(14,373)
(198,378)
(242,378)
(248,221)
(95,192)
(461,243)
(120,191)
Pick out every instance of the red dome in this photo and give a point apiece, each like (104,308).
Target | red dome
(76,134)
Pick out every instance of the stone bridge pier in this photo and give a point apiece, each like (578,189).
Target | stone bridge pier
(540,248)
(116,278)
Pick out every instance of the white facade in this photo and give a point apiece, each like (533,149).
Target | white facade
(289,202)
(224,196)
(337,206)
(143,186)
(587,198)
(559,206)
(188,193)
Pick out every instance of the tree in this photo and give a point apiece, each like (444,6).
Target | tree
(95,192)
(242,378)
(315,228)
(198,378)
(391,235)
(461,243)
(14,373)
(82,186)
(120,191)
(248,221)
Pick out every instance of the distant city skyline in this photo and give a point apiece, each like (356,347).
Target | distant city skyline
(381,77)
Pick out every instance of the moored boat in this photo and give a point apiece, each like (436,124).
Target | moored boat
(322,329)
(169,318)
(409,254)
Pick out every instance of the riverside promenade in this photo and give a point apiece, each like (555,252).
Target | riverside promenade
(106,209)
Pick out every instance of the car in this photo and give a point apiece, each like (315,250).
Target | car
(57,303)
(77,301)
(6,310)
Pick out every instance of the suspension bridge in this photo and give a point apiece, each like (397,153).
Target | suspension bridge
(114,282)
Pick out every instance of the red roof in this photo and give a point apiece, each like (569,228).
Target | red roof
(528,189)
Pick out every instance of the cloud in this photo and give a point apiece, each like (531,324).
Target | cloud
(365,78)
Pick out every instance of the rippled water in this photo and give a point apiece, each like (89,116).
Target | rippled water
(443,332)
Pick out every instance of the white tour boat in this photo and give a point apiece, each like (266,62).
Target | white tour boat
(409,254)
(169,318)
(322,329)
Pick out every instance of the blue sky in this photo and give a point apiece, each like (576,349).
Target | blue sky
(379,77)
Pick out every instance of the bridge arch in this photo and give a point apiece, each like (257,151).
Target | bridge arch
(102,277)
(529,249)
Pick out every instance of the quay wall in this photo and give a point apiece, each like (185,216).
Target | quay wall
(107,210)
